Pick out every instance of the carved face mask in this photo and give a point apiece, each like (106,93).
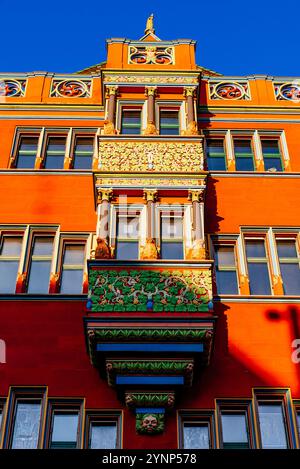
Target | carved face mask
(149,423)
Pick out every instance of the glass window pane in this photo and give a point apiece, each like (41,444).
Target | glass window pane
(290,274)
(272,426)
(215,147)
(270,147)
(244,164)
(195,436)
(27,153)
(234,428)
(131,117)
(216,164)
(259,279)
(127,250)
(11,246)
(26,426)
(171,250)
(55,153)
(255,249)
(225,255)
(286,249)
(71,281)
(43,246)
(169,118)
(82,162)
(128,227)
(227,282)
(83,153)
(39,277)
(103,436)
(271,163)
(84,144)
(171,227)
(298,423)
(74,254)
(65,428)
(8,276)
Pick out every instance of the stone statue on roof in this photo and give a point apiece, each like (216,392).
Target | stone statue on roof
(150,25)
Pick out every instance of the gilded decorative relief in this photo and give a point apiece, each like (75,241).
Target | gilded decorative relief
(150,156)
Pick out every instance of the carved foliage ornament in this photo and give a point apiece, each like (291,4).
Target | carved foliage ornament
(148,156)
(130,290)
(71,88)
(229,90)
(151,55)
(12,88)
(287,91)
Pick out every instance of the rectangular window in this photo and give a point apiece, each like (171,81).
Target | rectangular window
(40,265)
(226,270)
(26,425)
(83,153)
(298,424)
(243,155)
(127,241)
(271,154)
(169,122)
(55,153)
(72,268)
(196,435)
(216,158)
(103,435)
(258,270)
(64,432)
(26,153)
(131,121)
(289,262)
(10,252)
(272,425)
(234,430)
(171,234)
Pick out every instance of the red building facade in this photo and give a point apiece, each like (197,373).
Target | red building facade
(149,256)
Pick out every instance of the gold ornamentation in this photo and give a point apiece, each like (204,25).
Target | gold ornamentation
(102,250)
(149,250)
(104,194)
(150,25)
(150,129)
(150,90)
(229,90)
(150,195)
(153,79)
(140,182)
(277,285)
(192,129)
(196,195)
(189,92)
(111,90)
(197,251)
(145,55)
(150,156)
(109,128)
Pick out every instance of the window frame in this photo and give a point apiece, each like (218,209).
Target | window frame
(106,416)
(3,408)
(165,105)
(258,236)
(17,232)
(30,132)
(78,134)
(212,137)
(33,234)
(236,406)
(64,405)
(276,395)
(204,418)
(244,138)
(126,105)
(278,139)
(181,208)
(66,239)
(130,210)
(295,237)
(224,242)
(22,393)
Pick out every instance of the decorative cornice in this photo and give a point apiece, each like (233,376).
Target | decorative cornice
(108,335)
(150,399)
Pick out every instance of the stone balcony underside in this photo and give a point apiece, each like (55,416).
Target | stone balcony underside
(148,360)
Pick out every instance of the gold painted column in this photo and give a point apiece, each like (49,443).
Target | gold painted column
(192,128)
(109,124)
(198,250)
(104,197)
(151,127)
(149,251)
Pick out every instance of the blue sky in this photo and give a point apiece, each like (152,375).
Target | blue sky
(233,37)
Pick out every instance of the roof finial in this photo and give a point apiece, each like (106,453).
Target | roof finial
(149,25)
